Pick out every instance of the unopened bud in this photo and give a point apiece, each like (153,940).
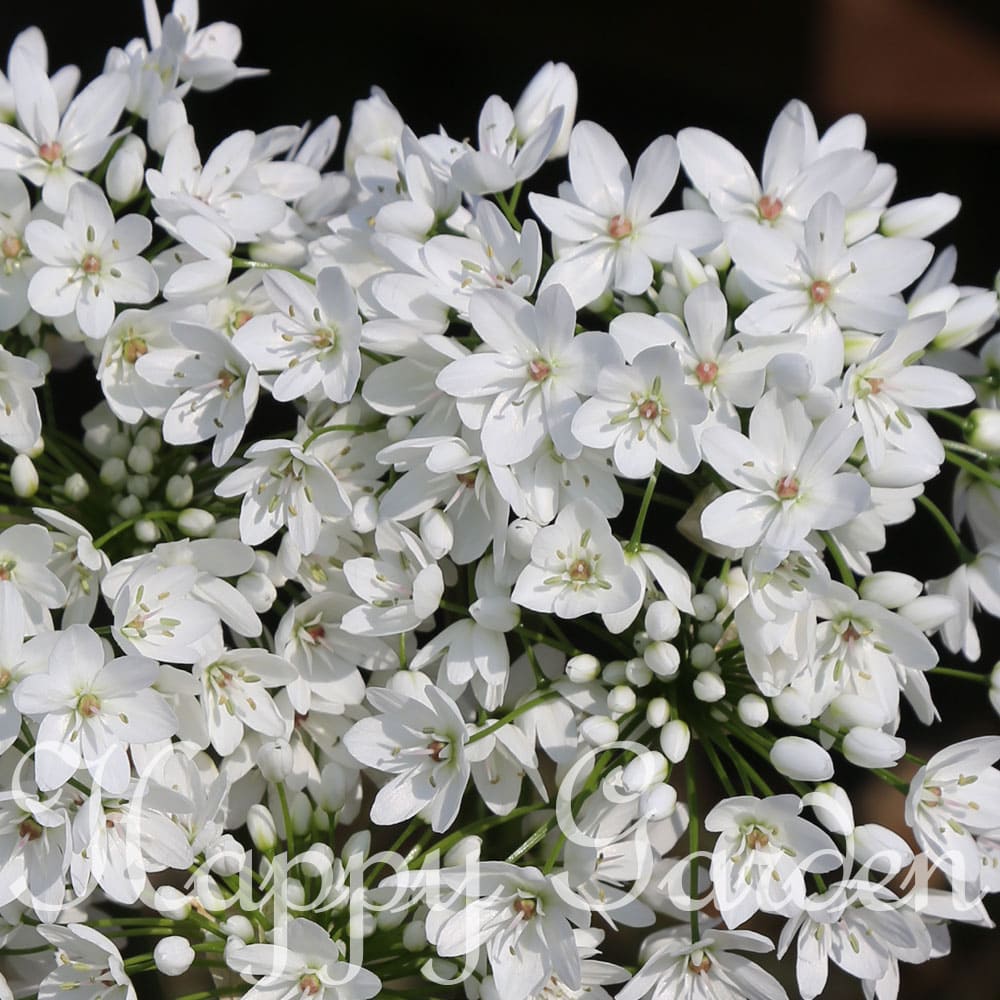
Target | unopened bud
(195,522)
(647,769)
(76,487)
(637,673)
(583,668)
(238,926)
(663,659)
(709,687)
(436,532)
(173,955)
(398,427)
(123,181)
(614,673)
(621,700)
(658,713)
(983,430)
(598,730)
(702,656)
(872,748)
(704,606)
(663,620)
(147,531)
(752,710)
(801,759)
(274,759)
(890,589)
(832,806)
(170,902)
(262,828)
(658,802)
(24,476)
(364,515)
(258,590)
(113,472)
(675,739)
(179,491)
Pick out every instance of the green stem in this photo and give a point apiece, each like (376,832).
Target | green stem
(838,557)
(242,264)
(153,515)
(286,817)
(965,554)
(952,418)
(693,822)
(965,675)
(510,716)
(965,449)
(971,468)
(635,543)
(348,428)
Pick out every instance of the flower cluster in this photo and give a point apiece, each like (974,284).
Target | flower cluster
(438,590)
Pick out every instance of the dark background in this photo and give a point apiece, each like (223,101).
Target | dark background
(925,74)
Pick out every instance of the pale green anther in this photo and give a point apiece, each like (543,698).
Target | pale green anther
(123,717)
(957,827)
(912,359)
(229,706)
(855,944)
(552,581)
(91,235)
(883,648)
(656,386)
(585,538)
(903,418)
(967,779)
(795,585)
(170,622)
(471,265)
(251,679)
(318,574)
(621,418)
(272,506)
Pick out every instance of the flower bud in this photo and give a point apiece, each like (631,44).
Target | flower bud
(614,673)
(704,606)
(849,710)
(24,476)
(171,903)
(801,759)
(40,358)
(637,673)
(274,759)
(553,86)
(173,955)
(436,532)
(128,506)
(398,427)
(290,252)
(919,217)
(301,812)
(164,120)
(467,850)
(139,486)
(520,535)
(147,531)
(872,748)
(332,792)
(658,713)
(663,620)
(76,487)
(702,656)
(621,700)
(983,429)
(262,828)
(295,891)
(929,611)
(710,633)
(880,849)
(195,522)
(658,802)
(258,590)
(149,437)
(210,894)
(583,668)
(415,936)
(890,589)
(598,730)
(663,659)
(123,181)
(791,708)
(113,472)
(675,739)
(179,491)
(647,769)
(832,807)
(364,514)
(709,687)
(225,855)
(752,710)
(238,926)
(718,591)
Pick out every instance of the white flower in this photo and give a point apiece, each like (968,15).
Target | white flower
(20,419)
(603,224)
(90,262)
(77,563)
(684,970)
(312,340)
(54,153)
(421,743)
(16,264)
(17,660)
(646,413)
(761,853)
(400,589)
(787,476)
(216,389)
(91,709)
(820,286)
(25,553)
(553,86)
(283,485)
(527,384)
(88,965)
(952,799)
(577,566)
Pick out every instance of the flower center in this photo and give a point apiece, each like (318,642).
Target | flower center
(29,829)
(89,705)
(769,208)
(241,317)
(619,227)
(702,965)
(850,633)
(539,370)
(7,569)
(875,385)
(226,379)
(527,908)
(706,372)
(649,409)
(133,349)
(580,571)
(11,247)
(90,264)
(757,839)
(437,747)
(787,488)
(309,985)
(5,676)
(50,151)
(820,291)
(316,632)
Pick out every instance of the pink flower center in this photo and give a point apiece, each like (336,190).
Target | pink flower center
(706,372)
(50,151)
(619,227)
(769,208)
(787,488)
(242,317)
(90,264)
(89,705)
(316,632)
(539,370)
(525,907)
(875,385)
(309,985)
(580,571)
(820,291)
(29,829)
(649,410)
(11,247)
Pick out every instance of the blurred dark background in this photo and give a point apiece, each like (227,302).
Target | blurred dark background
(924,73)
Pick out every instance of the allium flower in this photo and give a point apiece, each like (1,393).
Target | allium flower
(90,710)
(25,553)
(91,262)
(20,420)
(761,855)
(603,220)
(788,479)
(577,566)
(16,264)
(421,743)
(88,965)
